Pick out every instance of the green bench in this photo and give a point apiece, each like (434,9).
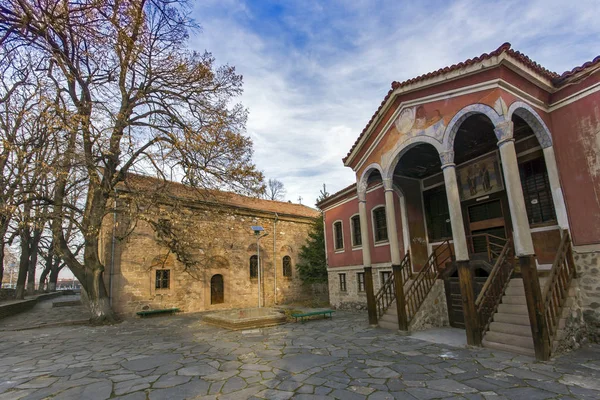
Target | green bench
(160,311)
(311,313)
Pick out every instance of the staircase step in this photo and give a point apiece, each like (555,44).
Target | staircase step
(515,291)
(519,300)
(503,327)
(514,319)
(512,309)
(509,348)
(389,318)
(512,340)
(388,325)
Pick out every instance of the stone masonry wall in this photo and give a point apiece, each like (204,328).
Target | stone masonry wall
(433,313)
(588,274)
(352,299)
(222,242)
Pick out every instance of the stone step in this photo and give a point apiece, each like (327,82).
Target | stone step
(519,300)
(514,319)
(509,348)
(512,340)
(514,291)
(512,309)
(389,318)
(388,325)
(512,329)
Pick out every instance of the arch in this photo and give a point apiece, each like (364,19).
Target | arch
(361,187)
(217,289)
(404,147)
(462,115)
(533,119)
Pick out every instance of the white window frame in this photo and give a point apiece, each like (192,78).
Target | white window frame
(334,231)
(379,242)
(358,246)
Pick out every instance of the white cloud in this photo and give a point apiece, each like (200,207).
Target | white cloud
(315,72)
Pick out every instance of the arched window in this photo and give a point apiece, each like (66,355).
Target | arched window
(380,224)
(287,267)
(217,292)
(254,267)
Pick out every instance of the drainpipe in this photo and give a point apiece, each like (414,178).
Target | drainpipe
(112,253)
(274,257)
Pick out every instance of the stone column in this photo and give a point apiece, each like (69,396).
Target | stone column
(557,194)
(465,273)
(366,253)
(523,241)
(390,217)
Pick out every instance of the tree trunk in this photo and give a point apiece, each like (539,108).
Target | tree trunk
(23,267)
(42,284)
(34,244)
(54,275)
(1,261)
(98,301)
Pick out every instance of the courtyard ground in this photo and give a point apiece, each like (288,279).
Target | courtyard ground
(179,357)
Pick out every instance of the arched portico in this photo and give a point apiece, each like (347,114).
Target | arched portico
(462,115)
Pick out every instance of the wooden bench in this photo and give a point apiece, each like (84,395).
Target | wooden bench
(160,311)
(311,313)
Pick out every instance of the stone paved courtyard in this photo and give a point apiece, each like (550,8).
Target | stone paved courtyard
(179,357)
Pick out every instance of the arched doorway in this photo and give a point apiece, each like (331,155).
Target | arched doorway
(217,290)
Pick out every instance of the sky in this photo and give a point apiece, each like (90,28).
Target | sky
(316,71)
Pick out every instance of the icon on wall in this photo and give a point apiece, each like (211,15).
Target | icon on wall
(480,177)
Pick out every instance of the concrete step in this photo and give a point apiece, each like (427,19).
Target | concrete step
(512,329)
(512,340)
(512,309)
(519,300)
(514,319)
(515,291)
(509,348)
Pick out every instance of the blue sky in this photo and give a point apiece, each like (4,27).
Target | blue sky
(315,71)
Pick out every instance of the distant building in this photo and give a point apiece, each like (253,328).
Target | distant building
(493,148)
(214,264)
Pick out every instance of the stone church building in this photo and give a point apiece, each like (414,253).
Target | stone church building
(195,250)
(476,205)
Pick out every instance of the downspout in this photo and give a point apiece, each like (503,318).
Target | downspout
(274,257)
(112,253)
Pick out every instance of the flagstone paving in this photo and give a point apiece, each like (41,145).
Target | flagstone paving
(178,357)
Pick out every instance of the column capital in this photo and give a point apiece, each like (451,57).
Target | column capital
(447,158)
(388,184)
(361,191)
(504,132)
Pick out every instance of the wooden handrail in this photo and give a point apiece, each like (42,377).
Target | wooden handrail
(556,291)
(493,249)
(425,279)
(387,293)
(492,291)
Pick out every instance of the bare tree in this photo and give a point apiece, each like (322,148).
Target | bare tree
(275,190)
(129,96)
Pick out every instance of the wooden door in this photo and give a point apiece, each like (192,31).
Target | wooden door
(454,301)
(216,290)
(483,218)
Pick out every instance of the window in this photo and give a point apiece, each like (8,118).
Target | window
(254,267)
(342,282)
(360,279)
(355,225)
(162,278)
(437,214)
(380,224)
(536,191)
(287,267)
(338,235)
(385,275)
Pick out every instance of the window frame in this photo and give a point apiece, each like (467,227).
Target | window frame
(360,281)
(353,236)
(283,267)
(529,196)
(342,279)
(250,266)
(335,233)
(159,277)
(375,226)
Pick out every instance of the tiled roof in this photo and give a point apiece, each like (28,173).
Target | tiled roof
(567,74)
(332,196)
(216,197)
(505,48)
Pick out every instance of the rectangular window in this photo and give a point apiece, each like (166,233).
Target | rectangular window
(342,282)
(360,278)
(356,238)
(254,267)
(287,267)
(162,278)
(437,214)
(385,275)
(338,235)
(380,224)
(536,191)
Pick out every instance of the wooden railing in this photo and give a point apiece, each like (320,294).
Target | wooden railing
(494,245)
(387,293)
(556,291)
(425,279)
(490,295)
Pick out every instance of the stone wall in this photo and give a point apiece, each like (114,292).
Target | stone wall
(588,273)
(220,241)
(433,313)
(352,299)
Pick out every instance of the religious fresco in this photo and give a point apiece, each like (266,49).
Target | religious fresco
(417,121)
(479,177)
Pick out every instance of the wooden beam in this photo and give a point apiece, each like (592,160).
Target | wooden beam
(400,300)
(535,308)
(465,276)
(371,306)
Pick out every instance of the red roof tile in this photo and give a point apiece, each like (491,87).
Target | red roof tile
(485,56)
(567,74)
